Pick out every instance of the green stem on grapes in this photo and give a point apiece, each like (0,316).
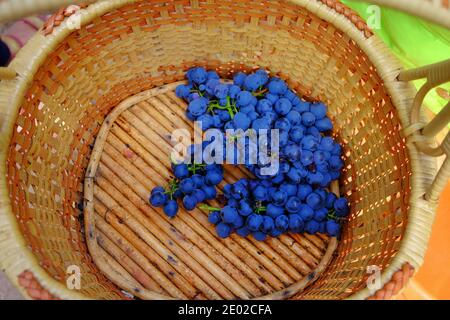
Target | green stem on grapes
(201,94)
(230,107)
(172,188)
(209,208)
(260,208)
(261,92)
(196,166)
(332,215)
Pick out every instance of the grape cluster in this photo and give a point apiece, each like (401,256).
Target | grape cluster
(192,184)
(295,198)
(263,208)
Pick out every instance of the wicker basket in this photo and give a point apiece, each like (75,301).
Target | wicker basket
(86,116)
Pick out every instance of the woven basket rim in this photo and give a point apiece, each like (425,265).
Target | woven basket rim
(30,58)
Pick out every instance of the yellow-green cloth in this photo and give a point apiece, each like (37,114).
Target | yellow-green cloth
(414,41)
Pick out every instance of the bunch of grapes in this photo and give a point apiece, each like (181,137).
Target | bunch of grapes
(193,184)
(263,208)
(296,197)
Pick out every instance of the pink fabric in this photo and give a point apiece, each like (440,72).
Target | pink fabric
(22,30)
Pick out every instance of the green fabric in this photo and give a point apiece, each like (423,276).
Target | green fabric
(414,41)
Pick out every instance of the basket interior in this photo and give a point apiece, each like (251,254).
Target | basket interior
(149,44)
(145,253)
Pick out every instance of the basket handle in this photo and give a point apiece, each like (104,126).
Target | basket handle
(422,133)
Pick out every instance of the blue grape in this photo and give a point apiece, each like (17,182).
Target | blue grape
(292,152)
(336,163)
(239,79)
(327,144)
(293,205)
(302,107)
(213,178)
(283,124)
(238,222)
(330,199)
(260,193)
(260,124)
(297,133)
(158,199)
(198,107)
(244,208)
(197,75)
(254,222)
(223,230)
(342,208)
(282,222)
(309,143)
(289,188)
(315,201)
(171,208)
(296,223)
(214,217)
(247,109)
(277,86)
(306,212)
(183,91)
(158,189)
(274,210)
(268,224)
(189,202)
(221,91)
(263,106)
(303,191)
(319,110)
(259,236)
(199,194)
(187,186)
(312,227)
(229,214)
(211,84)
(234,91)
(241,121)
(333,228)
(324,124)
(307,158)
(254,81)
(244,98)
(321,214)
(243,232)
(283,106)
(308,119)
(212,75)
(210,192)
(272,98)
(279,197)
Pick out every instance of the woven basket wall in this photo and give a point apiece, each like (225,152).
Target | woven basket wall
(76,78)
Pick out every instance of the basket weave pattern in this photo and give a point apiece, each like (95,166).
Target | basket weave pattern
(144,45)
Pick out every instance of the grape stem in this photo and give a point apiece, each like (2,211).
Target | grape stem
(209,208)
(332,215)
(230,107)
(260,208)
(261,92)
(196,166)
(172,188)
